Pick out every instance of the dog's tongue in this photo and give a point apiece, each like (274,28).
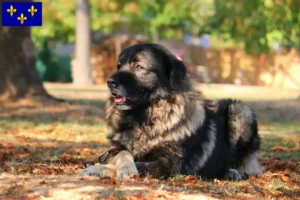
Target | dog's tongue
(119,99)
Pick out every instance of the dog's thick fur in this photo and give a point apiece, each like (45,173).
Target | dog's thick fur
(167,125)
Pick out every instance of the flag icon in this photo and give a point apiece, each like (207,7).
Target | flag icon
(22,14)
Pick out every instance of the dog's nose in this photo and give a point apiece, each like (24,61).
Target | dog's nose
(111,83)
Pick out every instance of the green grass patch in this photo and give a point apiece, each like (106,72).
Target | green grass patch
(286,141)
(283,127)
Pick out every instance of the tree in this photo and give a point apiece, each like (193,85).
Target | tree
(18,77)
(171,18)
(82,72)
(167,18)
(256,23)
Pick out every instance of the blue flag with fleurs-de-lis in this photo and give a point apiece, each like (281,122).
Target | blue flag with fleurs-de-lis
(22,14)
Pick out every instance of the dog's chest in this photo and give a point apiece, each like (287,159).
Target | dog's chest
(144,131)
(139,140)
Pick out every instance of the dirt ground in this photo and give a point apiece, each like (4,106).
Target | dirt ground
(43,145)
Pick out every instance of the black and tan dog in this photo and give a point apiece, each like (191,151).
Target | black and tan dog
(155,115)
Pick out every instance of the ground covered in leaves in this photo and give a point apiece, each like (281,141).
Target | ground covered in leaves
(43,145)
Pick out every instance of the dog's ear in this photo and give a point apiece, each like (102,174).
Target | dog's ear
(177,73)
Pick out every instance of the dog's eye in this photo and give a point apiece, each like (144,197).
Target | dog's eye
(139,67)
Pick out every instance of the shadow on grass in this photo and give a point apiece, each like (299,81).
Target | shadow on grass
(72,111)
(87,116)
(34,134)
(23,154)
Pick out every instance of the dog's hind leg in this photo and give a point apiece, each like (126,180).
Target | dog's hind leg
(243,137)
(250,165)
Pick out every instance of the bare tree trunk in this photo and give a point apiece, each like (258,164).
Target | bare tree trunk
(18,75)
(82,74)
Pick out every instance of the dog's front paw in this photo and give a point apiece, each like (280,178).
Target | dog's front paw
(91,171)
(126,170)
(99,170)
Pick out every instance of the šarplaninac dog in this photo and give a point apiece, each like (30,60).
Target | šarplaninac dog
(155,114)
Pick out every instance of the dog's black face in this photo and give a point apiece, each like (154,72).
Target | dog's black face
(146,72)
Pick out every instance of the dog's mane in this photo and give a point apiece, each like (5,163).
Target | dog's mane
(166,120)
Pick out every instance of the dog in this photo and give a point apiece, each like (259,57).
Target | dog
(155,115)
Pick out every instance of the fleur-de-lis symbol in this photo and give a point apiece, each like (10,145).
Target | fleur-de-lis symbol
(32,10)
(11,10)
(22,18)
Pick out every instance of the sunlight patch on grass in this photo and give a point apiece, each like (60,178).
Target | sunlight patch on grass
(248,96)
(212,91)
(277,126)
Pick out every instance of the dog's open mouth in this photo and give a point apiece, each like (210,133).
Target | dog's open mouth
(121,99)
(127,99)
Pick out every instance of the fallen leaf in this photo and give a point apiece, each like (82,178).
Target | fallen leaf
(137,178)
(191,178)
(284,149)
(279,165)
(285,178)
(279,148)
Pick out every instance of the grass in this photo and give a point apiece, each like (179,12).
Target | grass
(45,144)
(285,147)
(246,93)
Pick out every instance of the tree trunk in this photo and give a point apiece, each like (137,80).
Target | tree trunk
(82,74)
(18,75)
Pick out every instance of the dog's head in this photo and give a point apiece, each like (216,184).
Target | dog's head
(146,73)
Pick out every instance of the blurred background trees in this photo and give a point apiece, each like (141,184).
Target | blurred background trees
(111,16)
(82,72)
(257,24)
(244,33)
(18,77)
(258,27)
(154,19)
